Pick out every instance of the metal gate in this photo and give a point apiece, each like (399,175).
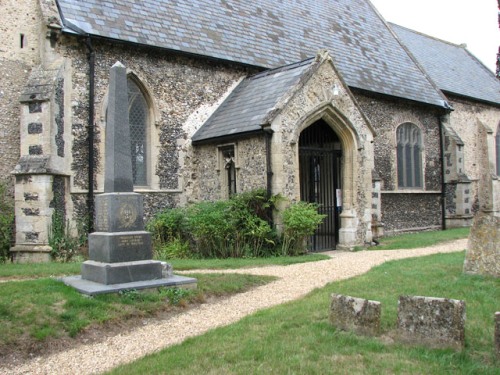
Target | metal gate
(320,160)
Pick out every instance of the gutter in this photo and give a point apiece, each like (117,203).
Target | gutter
(90,132)
(269,171)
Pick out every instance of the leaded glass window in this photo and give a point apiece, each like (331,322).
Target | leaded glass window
(138,119)
(409,156)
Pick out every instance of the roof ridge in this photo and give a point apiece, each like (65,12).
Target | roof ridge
(462,45)
(281,68)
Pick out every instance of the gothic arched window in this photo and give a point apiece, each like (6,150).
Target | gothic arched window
(409,156)
(138,119)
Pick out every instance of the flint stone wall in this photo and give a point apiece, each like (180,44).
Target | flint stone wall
(434,322)
(251,161)
(404,210)
(359,315)
(483,251)
(178,88)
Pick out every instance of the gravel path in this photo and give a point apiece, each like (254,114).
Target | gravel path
(294,282)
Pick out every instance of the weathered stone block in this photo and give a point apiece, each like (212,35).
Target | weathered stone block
(436,322)
(483,251)
(355,314)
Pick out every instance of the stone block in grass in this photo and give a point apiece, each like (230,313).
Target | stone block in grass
(432,322)
(358,315)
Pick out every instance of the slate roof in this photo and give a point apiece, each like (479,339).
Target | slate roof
(251,102)
(452,67)
(264,33)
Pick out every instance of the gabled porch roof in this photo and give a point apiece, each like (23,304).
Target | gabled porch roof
(248,108)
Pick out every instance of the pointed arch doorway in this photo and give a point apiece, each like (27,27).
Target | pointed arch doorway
(320,161)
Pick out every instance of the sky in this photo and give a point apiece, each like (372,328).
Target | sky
(473,22)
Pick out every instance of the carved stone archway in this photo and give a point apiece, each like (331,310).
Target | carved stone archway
(349,140)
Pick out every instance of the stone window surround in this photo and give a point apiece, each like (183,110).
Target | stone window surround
(410,189)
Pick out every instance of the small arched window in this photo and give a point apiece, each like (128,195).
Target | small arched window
(497,141)
(409,156)
(138,119)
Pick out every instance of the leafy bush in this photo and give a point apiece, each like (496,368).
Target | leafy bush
(6,222)
(300,220)
(210,225)
(238,227)
(176,248)
(167,225)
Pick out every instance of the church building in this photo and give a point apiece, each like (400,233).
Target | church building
(387,129)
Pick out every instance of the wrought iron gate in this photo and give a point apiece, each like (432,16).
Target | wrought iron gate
(320,177)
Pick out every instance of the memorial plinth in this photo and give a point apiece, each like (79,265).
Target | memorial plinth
(120,251)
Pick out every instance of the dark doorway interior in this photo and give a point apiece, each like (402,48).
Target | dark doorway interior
(320,158)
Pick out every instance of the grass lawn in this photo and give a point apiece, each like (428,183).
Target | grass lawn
(42,309)
(420,239)
(34,310)
(296,338)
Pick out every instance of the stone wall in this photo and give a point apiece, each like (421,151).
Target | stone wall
(470,120)
(385,117)
(19,52)
(176,87)
(402,209)
(410,212)
(250,163)
(464,121)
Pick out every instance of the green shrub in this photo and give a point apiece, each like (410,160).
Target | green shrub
(300,220)
(210,225)
(167,225)
(176,248)
(6,222)
(238,227)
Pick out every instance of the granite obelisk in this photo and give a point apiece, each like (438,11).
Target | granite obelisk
(120,249)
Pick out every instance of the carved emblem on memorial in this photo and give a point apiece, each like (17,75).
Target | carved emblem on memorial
(127,215)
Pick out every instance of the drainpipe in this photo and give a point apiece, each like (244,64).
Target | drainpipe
(443,171)
(90,132)
(268,132)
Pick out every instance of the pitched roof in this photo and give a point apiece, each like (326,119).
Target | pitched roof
(251,102)
(451,66)
(264,33)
